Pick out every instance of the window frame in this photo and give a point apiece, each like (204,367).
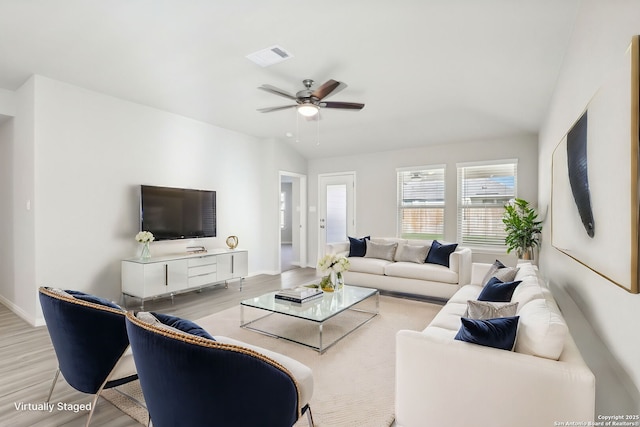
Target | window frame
(492,235)
(439,205)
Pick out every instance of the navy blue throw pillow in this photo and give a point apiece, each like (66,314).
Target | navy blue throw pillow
(358,247)
(94,299)
(498,291)
(497,333)
(439,253)
(183,325)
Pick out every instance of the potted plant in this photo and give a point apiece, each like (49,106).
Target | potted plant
(522,227)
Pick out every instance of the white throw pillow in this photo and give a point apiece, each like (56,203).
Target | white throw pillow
(501,272)
(381,250)
(409,253)
(542,331)
(482,310)
(152,320)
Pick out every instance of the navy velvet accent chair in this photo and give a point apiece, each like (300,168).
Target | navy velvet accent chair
(189,380)
(90,340)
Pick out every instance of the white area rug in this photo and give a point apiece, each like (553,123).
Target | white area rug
(354,380)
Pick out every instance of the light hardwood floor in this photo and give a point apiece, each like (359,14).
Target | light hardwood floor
(28,362)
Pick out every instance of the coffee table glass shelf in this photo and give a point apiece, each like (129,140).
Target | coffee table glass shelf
(319,323)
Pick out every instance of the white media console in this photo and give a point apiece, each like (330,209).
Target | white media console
(168,275)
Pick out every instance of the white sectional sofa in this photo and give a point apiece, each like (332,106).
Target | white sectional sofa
(441,381)
(397,274)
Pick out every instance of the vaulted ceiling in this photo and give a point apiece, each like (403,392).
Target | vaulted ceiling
(429,71)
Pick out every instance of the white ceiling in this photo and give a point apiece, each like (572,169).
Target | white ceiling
(429,71)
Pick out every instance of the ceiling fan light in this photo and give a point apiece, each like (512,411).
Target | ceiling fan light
(308,110)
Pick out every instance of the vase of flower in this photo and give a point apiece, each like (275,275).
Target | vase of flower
(145,237)
(326,284)
(145,252)
(338,280)
(334,265)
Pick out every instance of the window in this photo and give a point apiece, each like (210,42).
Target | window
(421,202)
(483,190)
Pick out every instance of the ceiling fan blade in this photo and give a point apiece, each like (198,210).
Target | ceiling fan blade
(343,105)
(331,87)
(270,109)
(274,90)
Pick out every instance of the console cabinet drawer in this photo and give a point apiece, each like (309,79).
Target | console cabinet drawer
(202,269)
(205,260)
(202,280)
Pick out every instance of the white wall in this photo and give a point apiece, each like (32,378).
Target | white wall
(89,156)
(7,103)
(610,344)
(23,300)
(6,209)
(376,187)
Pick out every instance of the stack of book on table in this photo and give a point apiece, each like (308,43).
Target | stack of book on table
(299,295)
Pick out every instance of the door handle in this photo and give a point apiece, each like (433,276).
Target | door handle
(166,274)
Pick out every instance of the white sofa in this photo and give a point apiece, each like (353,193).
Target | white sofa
(423,279)
(443,382)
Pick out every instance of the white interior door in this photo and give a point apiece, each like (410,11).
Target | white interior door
(336,214)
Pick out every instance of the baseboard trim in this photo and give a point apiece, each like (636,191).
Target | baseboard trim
(21,313)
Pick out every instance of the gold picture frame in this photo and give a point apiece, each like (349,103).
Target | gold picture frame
(612,140)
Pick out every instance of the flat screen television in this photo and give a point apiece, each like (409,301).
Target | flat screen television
(177,213)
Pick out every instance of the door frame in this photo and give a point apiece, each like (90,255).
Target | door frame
(320,239)
(302,217)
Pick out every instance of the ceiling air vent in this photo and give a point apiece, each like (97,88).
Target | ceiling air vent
(269,56)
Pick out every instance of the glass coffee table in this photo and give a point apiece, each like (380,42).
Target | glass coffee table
(319,323)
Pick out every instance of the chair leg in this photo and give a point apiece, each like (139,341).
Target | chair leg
(307,409)
(95,398)
(53,384)
(93,407)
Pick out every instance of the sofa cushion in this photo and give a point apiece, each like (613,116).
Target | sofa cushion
(368,265)
(410,253)
(497,333)
(530,289)
(411,270)
(526,269)
(449,317)
(490,310)
(542,331)
(466,293)
(384,251)
(497,290)
(501,271)
(358,247)
(439,253)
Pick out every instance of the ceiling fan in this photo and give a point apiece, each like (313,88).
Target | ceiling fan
(309,101)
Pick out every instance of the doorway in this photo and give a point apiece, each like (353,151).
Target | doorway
(292,202)
(336,213)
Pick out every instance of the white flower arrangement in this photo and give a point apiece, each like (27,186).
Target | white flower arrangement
(332,262)
(144,237)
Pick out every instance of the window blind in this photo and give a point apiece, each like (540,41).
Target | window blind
(483,190)
(421,202)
